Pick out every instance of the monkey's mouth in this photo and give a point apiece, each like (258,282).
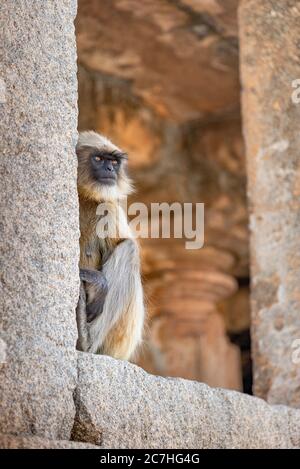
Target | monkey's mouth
(109,181)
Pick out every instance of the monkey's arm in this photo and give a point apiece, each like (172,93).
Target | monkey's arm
(118,330)
(93,290)
(96,288)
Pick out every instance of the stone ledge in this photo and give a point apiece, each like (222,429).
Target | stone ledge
(121,406)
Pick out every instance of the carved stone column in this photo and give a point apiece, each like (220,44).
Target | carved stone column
(188,335)
(269,36)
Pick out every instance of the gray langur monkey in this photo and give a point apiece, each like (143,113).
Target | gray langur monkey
(110,311)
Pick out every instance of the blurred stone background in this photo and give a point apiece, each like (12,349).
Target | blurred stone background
(161,79)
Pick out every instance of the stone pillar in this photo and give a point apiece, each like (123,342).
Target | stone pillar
(38,217)
(188,335)
(269,36)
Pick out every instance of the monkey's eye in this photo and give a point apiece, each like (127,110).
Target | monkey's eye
(115,162)
(98,158)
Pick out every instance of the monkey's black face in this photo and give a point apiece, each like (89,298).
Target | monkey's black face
(106,166)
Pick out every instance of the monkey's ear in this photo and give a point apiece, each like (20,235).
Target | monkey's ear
(83,149)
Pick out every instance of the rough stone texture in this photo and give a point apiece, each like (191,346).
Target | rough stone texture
(39,217)
(171,99)
(269,63)
(22,442)
(187,46)
(3,349)
(121,406)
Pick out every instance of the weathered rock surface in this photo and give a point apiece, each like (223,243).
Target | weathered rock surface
(38,217)
(270,63)
(120,406)
(34,442)
(187,46)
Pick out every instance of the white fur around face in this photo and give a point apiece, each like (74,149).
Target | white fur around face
(108,192)
(102,192)
(93,139)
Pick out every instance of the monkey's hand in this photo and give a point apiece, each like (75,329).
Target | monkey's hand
(97,288)
(94,277)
